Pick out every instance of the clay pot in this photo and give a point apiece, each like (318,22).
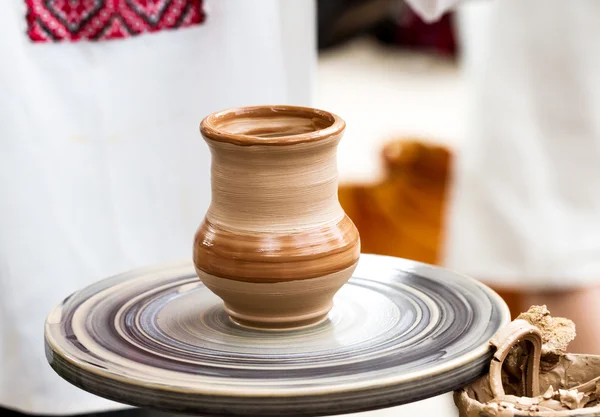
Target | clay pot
(492,395)
(275,244)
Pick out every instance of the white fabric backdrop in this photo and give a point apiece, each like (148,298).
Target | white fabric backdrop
(102,167)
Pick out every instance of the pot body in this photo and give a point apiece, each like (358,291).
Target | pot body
(275,244)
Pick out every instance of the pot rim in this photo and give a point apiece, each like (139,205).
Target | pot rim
(209,127)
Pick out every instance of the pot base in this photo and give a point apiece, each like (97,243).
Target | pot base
(278,305)
(294,323)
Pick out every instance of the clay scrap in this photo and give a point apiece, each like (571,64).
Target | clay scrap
(557,332)
(532,374)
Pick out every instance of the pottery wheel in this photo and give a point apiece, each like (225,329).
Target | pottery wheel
(400,331)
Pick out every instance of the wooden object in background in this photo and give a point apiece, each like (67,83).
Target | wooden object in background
(403,214)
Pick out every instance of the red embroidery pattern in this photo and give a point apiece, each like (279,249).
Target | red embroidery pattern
(74,20)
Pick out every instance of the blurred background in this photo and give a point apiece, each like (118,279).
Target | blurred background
(397,82)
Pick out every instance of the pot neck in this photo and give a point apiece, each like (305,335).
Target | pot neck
(274,188)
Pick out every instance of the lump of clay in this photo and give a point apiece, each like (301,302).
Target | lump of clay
(557,332)
(531,355)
